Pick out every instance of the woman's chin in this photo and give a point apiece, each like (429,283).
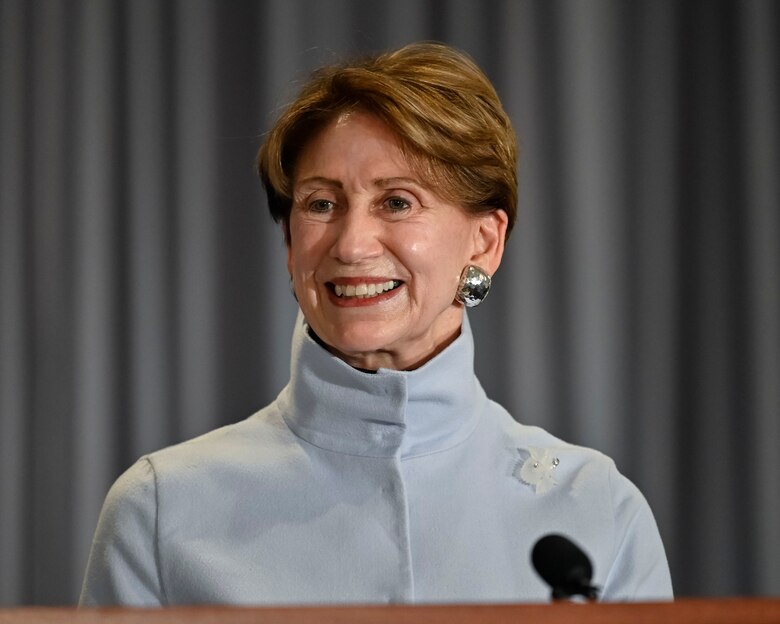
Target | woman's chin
(387,340)
(356,343)
(363,345)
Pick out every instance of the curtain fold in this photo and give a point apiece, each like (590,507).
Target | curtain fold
(144,297)
(759,155)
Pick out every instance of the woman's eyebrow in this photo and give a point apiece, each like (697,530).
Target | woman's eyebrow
(378,182)
(387,182)
(319,180)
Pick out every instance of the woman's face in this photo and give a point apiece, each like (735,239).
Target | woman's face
(375,256)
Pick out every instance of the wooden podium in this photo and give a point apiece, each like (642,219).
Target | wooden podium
(716,611)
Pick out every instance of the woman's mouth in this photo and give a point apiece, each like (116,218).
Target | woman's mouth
(364,290)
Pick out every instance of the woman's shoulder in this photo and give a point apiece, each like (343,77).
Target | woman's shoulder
(579,469)
(261,438)
(526,436)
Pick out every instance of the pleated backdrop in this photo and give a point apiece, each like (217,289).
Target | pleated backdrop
(144,298)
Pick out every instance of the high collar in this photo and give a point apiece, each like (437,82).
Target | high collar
(386,413)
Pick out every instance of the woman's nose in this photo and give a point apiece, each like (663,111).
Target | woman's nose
(357,236)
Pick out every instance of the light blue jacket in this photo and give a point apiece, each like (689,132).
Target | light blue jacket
(355,487)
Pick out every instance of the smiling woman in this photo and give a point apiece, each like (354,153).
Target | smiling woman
(360,217)
(382,472)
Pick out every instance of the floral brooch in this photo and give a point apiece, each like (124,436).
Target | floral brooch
(536,469)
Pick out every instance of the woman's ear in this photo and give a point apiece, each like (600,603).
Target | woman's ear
(489,239)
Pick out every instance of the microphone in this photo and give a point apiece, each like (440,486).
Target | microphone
(565,567)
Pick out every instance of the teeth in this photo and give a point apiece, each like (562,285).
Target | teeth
(365,290)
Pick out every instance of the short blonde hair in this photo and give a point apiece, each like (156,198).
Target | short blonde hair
(443,108)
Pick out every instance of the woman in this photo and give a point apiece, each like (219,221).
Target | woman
(382,472)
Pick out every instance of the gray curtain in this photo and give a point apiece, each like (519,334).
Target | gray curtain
(144,299)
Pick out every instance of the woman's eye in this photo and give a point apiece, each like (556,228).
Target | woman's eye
(397,204)
(321,205)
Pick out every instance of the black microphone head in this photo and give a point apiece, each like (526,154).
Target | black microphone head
(564,566)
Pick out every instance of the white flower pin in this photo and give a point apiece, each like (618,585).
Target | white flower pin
(537,469)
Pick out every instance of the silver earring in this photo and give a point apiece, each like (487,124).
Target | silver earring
(473,286)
